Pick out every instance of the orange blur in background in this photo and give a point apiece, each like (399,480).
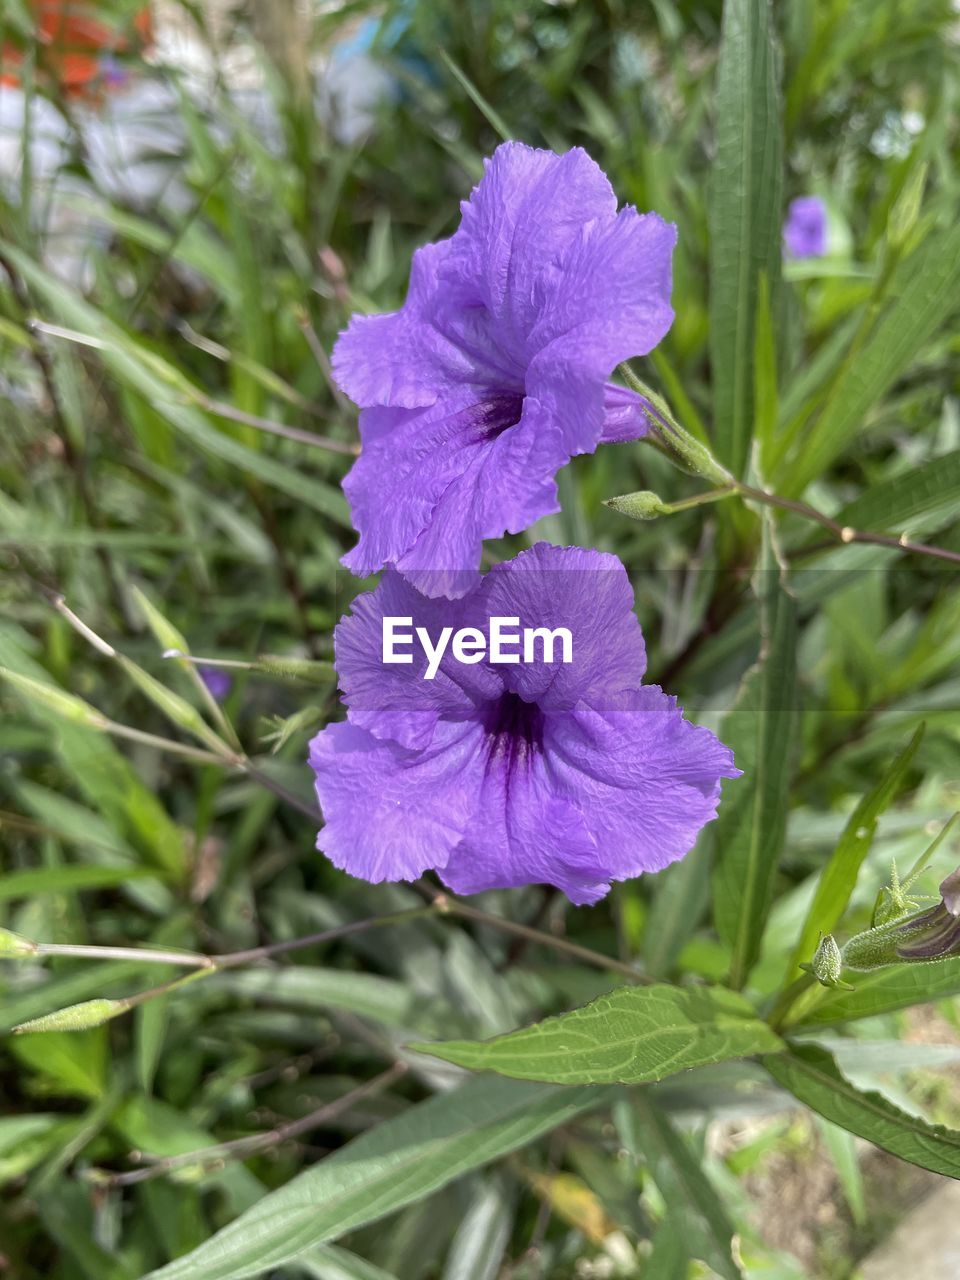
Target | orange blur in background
(71,44)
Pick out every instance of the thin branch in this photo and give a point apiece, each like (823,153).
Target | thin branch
(166,744)
(278,789)
(842,532)
(235,958)
(147,955)
(221,410)
(451,906)
(441,904)
(323,360)
(241,1148)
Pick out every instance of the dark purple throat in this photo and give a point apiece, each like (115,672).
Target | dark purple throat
(490,418)
(514,731)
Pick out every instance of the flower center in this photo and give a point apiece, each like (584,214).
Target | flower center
(492,417)
(514,731)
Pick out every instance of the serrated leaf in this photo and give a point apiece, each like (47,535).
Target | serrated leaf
(400,1161)
(745,213)
(839,876)
(632,1035)
(752,823)
(811,1075)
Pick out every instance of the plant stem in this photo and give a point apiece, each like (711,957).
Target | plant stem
(844,533)
(240,1148)
(440,905)
(221,410)
(148,955)
(451,906)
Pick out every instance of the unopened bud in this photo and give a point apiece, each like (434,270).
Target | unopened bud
(12,944)
(827,963)
(932,934)
(76,1017)
(643,505)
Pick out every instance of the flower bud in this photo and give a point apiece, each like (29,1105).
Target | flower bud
(12,944)
(932,934)
(644,505)
(76,1017)
(827,963)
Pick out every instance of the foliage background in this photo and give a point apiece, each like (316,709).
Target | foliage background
(133,465)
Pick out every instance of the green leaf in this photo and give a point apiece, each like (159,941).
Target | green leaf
(843,1152)
(400,1161)
(921,295)
(103,774)
(72,1063)
(332,1263)
(165,388)
(812,1076)
(23,884)
(745,215)
(686,1189)
(669,1257)
(483,1235)
(918,492)
(632,1035)
(766,396)
(885,990)
(368,995)
(839,876)
(753,813)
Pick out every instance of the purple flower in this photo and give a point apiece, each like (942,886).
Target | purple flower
(217,681)
(805,230)
(494,373)
(568,773)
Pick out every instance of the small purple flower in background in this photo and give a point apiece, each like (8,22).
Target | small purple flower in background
(495,776)
(111,72)
(494,373)
(805,230)
(218,682)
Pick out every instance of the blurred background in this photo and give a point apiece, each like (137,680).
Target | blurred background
(194,197)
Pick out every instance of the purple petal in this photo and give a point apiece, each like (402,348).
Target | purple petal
(645,779)
(609,301)
(394,701)
(526,213)
(401,359)
(624,415)
(805,230)
(390,813)
(588,593)
(426,494)
(526,833)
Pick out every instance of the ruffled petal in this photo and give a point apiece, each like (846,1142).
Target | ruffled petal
(645,779)
(525,213)
(425,495)
(624,415)
(390,813)
(526,833)
(589,594)
(394,700)
(607,301)
(404,359)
